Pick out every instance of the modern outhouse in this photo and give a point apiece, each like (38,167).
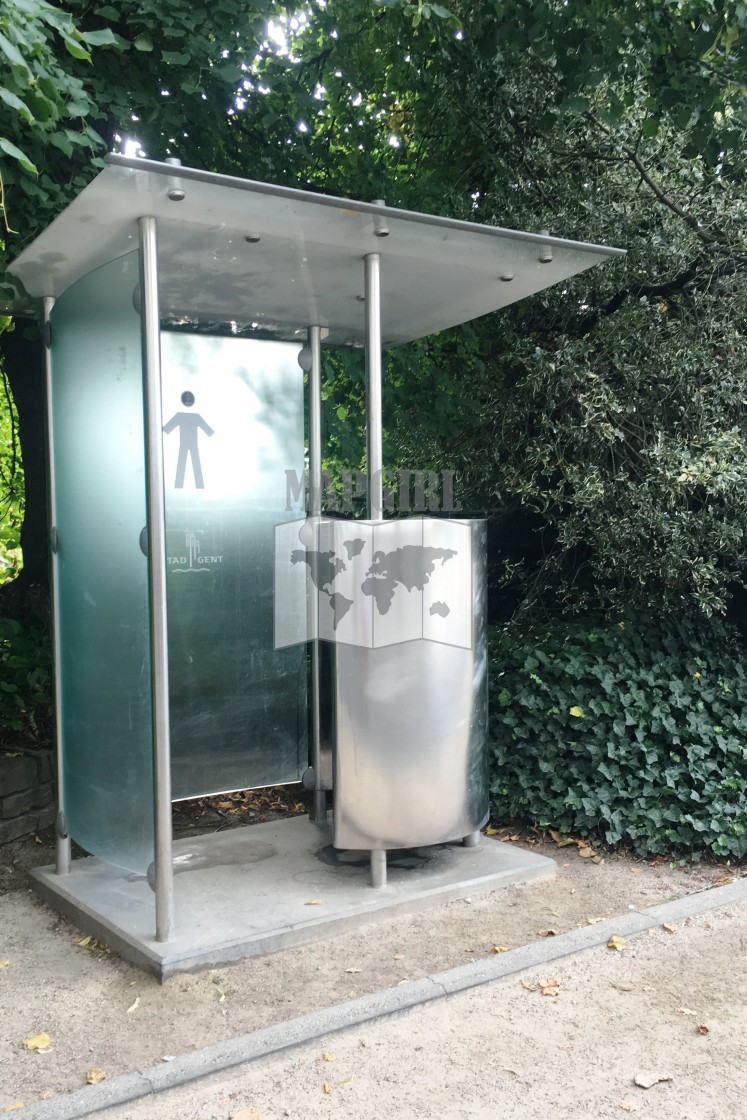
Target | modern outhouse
(194,585)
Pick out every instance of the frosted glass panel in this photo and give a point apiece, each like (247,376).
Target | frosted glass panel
(97,423)
(233,426)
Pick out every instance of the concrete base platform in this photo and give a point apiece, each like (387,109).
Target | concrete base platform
(247,892)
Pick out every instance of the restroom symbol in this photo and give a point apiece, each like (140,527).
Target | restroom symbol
(189,424)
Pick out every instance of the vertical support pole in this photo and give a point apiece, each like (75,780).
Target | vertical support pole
(372,291)
(159,653)
(62,839)
(378,867)
(319,812)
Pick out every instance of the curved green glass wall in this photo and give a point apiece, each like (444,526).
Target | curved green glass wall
(103,615)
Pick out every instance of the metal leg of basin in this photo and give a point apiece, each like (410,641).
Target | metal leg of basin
(378,867)
(471,840)
(320,807)
(64,855)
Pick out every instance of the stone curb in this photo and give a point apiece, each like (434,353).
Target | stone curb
(245,1048)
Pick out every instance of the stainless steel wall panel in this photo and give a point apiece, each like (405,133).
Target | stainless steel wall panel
(411,721)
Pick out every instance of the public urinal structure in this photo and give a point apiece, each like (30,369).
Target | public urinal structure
(194,587)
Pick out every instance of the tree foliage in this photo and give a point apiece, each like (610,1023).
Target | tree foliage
(601,421)
(600,424)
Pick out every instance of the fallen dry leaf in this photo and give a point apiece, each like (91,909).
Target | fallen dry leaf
(39,1042)
(618,943)
(4,964)
(354,970)
(629,1106)
(84,942)
(647,1079)
(547,932)
(328,1057)
(529,986)
(490,831)
(327,1087)
(593,921)
(703,1030)
(637,870)
(313,902)
(13,1107)
(686,1011)
(551,991)
(250,1113)
(94,1076)
(398,957)
(134,1006)
(499,948)
(406,980)
(586,853)
(37,840)
(669,928)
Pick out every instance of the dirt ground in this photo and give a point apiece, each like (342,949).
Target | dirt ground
(670,1005)
(101,1012)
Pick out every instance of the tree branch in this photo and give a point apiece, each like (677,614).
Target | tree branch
(632,155)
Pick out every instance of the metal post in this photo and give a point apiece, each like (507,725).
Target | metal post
(378,867)
(373,385)
(471,840)
(319,813)
(62,838)
(372,291)
(151,331)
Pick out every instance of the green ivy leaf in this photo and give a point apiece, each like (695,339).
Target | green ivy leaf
(14,102)
(12,53)
(74,47)
(11,150)
(104,38)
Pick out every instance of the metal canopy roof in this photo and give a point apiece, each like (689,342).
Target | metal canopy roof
(278,259)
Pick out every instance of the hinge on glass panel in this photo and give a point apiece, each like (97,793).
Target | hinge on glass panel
(53,539)
(308,778)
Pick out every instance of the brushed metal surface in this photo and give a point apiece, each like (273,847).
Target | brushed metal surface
(411,724)
(306,265)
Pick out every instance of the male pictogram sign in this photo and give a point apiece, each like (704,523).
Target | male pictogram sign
(189,425)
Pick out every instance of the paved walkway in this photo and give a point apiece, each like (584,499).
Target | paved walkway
(669,1008)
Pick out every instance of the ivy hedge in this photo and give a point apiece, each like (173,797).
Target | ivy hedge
(25,683)
(632,730)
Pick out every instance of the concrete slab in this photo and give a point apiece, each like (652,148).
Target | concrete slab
(254,890)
